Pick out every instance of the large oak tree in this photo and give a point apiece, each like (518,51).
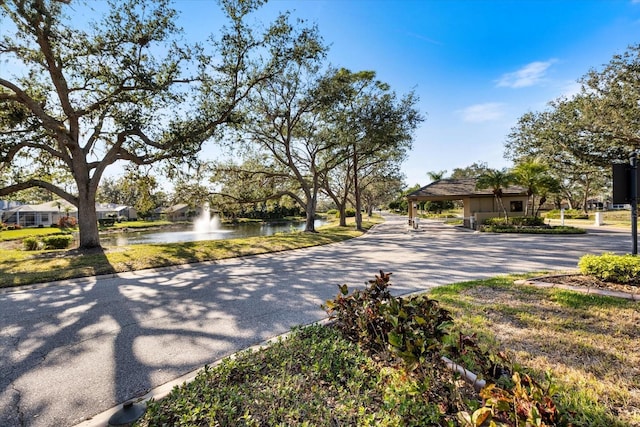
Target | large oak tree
(85,95)
(579,137)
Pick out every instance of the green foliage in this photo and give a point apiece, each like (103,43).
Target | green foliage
(568,214)
(57,241)
(497,181)
(528,221)
(333,212)
(522,221)
(30,243)
(418,328)
(528,225)
(314,377)
(413,328)
(527,403)
(496,221)
(612,268)
(67,222)
(350,212)
(360,316)
(106,222)
(533,230)
(54,241)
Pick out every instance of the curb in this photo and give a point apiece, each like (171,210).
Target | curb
(539,282)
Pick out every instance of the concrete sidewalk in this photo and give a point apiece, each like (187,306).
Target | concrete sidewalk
(72,351)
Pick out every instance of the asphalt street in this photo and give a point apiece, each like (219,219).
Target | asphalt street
(74,349)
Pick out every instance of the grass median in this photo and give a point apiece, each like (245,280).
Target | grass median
(18,267)
(581,348)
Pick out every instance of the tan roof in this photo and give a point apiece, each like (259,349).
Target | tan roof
(458,188)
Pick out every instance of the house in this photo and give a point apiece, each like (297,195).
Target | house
(179,212)
(111,210)
(478,204)
(183,212)
(41,215)
(49,213)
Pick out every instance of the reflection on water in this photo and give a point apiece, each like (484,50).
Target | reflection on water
(187,234)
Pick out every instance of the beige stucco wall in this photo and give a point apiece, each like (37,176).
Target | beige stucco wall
(482,208)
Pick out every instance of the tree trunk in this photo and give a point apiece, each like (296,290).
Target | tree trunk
(356,189)
(310,209)
(88,220)
(342,209)
(534,213)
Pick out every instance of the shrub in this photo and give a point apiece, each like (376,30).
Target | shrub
(67,222)
(526,403)
(520,221)
(107,222)
(417,330)
(560,229)
(350,213)
(57,241)
(495,221)
(30,244)
(333,212)
(612,268)
(528,221)
(412,328)
(568,214)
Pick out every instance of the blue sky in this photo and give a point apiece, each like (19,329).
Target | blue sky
(477,66)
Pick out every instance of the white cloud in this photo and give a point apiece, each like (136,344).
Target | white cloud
(486,112)
(529,75)
(571,88)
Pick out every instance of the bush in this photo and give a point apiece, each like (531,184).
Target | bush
(57,241)
(495,221)
(417,330)
(30,244)
(520,221)
(528,221)
(610,267)
(568,214)
(532,230)
(413,328)
(333,212)
(67,222)
(350,213)
(107,222)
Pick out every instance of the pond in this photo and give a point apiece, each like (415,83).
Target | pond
(190,234)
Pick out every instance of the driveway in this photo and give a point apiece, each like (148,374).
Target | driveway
(72,350)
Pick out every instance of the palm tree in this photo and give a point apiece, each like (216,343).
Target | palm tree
(496,180)
(533,175)
(436,175)
(529,174)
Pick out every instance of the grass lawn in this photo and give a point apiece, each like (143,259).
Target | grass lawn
(6,235)
(18,267)
(586,345)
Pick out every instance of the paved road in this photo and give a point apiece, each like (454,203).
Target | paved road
(70,351)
